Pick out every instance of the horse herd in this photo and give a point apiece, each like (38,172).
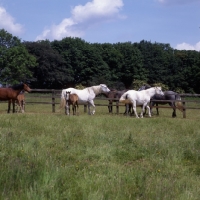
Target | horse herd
(146,97)
(15,96)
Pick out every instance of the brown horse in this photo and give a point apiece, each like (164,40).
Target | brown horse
(11,94)
(71,99)
(19,103)
(114,96)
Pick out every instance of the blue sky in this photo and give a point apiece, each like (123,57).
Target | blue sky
(176,22)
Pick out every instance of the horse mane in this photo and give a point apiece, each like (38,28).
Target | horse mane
(18,86)
(96,88)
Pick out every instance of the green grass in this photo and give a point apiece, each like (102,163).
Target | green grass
(45,155)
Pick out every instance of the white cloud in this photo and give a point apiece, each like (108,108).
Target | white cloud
(7,22)
(186,46)
(83,17)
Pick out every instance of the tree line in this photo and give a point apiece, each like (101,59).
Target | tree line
(72,61)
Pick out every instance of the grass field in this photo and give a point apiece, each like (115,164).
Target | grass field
(45,155)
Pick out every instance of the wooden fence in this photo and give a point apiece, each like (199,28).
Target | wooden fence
(56,94)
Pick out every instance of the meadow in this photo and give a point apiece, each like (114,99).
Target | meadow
(45,155)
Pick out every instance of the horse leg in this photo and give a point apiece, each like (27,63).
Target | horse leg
(19,105)
(145,111)
(130,108)
(143,108)
(126,109)
(174,109)
(91,103)
(110,107)
(134,109)
(22,106)
(74,108)
(67,109)
(9,103)
(151,106)
(77,112)
(174,112)
(13,103)
(157,108)
(149,111)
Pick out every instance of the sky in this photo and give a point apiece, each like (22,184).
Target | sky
(175,22)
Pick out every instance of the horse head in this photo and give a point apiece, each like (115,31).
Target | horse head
(26,88)
(67,95)
(104,88)
(144,87)
(158,90)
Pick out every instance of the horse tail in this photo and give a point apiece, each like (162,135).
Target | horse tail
(124,98)
(62,101)
(179,104)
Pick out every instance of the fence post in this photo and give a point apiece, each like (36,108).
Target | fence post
(110,106)
(127,109)
(117,107)
(184,110)
(53,101)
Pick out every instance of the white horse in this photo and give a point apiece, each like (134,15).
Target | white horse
(140,98)
(85,96)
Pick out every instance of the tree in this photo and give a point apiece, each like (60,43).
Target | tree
(51,70)
(15,61)
(132,64)
(85,60)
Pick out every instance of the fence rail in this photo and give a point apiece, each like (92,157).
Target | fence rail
(55,94)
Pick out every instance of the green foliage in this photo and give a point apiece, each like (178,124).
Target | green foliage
(138,83)
(79,86)
(51,71)
(72,61)
(163,86)
(131,66)
(15,61)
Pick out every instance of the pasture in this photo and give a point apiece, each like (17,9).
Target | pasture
(47,155)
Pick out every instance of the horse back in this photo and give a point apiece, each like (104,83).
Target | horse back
(171,95)
(120,93)
(8,93)
(158,97)
(139,97)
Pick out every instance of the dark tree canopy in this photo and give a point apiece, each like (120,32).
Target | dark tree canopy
(73,61)
(15,61)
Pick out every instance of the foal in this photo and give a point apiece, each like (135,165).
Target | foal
(71,99)
(20,103)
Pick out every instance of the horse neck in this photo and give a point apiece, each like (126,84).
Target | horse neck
(96,89)
(17,92)
(105,94)
(151,92)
